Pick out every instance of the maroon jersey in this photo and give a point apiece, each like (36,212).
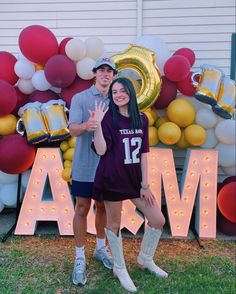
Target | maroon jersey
(118,176)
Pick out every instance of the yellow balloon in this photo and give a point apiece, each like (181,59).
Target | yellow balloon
(38,67)
(69,154)
(181,112)
(195,135)
(64,146)
(7,125)
(143,62)
(160,121)
(66,174)
(152,136)
(182,143)
(72,142)
(67,163)
(150,118)
(154,113)
(169,133)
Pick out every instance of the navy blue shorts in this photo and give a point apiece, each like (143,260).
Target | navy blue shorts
(82,189)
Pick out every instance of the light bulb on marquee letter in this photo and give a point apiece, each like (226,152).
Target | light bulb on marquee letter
(33,209)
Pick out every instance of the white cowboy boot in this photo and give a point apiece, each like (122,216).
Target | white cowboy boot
(148,247)
(119,268)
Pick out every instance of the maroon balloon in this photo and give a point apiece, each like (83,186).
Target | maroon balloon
(38,43)
(63,45)
(227,201)
(60,71)
(188,53)
(167,94)
(22,99)
(8,98)
(16,155)
(177,68)
(225,226)
(78,86)
(7,63)
(185,86)
(43,96)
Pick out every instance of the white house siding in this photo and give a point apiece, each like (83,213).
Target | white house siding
(204,26)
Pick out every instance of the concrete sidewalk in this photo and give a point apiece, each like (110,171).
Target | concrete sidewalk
(7,220)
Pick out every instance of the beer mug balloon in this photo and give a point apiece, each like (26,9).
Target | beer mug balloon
(32,122)
(208,87)
(54,112)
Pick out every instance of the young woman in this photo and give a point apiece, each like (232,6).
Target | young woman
(121,139)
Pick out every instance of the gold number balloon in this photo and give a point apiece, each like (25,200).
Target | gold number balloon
(143,62)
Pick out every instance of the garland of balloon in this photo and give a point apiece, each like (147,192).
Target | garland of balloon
(184,109)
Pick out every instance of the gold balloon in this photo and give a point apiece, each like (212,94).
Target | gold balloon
(143,62)
(7,125)
(195,135)
(152,136)
(150,117)
(67,163)
(66,174)
(181,112)
(68,155)
(64,146)
(169,133)
(160,121)
(72,142)
(182,143)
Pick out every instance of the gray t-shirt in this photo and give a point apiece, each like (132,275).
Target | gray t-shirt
(85,160)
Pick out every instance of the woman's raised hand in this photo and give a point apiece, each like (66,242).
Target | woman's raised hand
(100,110)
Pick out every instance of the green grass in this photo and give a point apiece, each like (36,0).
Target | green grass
(43,264)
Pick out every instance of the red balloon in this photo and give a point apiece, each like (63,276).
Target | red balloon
(43,96)
(167,94)
(78,85)
(225,226)
(227,201)
(185,86)
(22,99)
(7,72)
(60,71)
(63,45)
(188,53)
(8,98)
(177,68)
(38,43)
(16,155)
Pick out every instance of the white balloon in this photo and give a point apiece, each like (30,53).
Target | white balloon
(225,131)
(94,47)
(8,178)
(211,139)
(24,69)
(25,178)
(25,86)
(75,49)
(229,171)
(40,82)
(8,194)
(85,67)
(206,118)
(226,155)
(158,46)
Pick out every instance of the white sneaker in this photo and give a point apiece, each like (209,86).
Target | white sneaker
(104,255)
(79,272)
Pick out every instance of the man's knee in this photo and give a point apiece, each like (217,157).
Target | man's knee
(82,209)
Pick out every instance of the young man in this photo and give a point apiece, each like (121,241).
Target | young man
(85,162)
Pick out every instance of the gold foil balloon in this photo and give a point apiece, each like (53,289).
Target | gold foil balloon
(56,119)
(143,62)
(32,122)
(226,99)
(216,89)
(208,87)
